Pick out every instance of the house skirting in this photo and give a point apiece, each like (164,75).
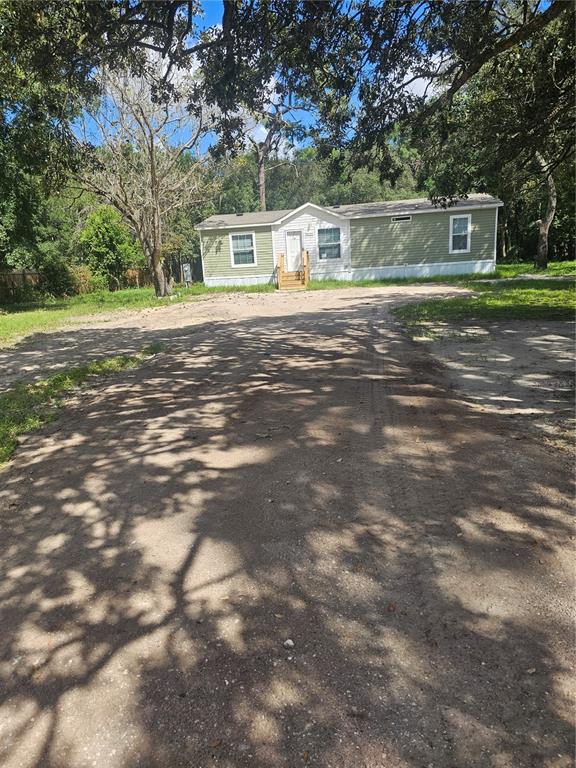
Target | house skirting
(398,272)
(401,271)
(240,280)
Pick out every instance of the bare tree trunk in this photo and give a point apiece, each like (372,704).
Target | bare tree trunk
(261,158)
(545,223)
(507,238)
(502,233)
(161,284)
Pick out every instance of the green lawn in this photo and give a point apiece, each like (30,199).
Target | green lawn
(26,407)
(17,320)
(554,269)
(519,300)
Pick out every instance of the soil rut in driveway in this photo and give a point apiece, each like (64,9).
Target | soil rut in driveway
(293,476)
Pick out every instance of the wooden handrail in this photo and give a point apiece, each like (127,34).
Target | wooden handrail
(306,266)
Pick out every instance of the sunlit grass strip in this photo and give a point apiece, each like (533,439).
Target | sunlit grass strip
(524,300)
(27,407)
(554,269)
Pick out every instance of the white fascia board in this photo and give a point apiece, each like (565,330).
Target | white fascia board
(309,205)
(234,226)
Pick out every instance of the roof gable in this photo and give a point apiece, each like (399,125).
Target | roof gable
(304,207)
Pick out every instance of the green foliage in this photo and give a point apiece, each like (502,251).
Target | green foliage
(56,277)
(106,245)
(27,407)
(518,107)
(239,193)
(305,176)
(44,76)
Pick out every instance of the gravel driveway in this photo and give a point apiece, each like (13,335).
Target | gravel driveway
(285,541)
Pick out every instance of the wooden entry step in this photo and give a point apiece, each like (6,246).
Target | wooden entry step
(293,281)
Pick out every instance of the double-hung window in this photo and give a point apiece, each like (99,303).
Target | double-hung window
(460,227)
(243,249)
(329,243)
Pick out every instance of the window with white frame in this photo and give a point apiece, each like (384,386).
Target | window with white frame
(329,243)
(243,249)
(460,227)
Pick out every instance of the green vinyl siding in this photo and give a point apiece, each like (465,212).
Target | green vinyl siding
(380,242)
(217,259)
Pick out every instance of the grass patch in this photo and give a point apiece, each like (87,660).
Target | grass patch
(521,300)
(554,269)
(17,320)
(26,407)
(320,285)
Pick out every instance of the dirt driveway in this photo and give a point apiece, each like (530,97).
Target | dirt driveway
(284,541)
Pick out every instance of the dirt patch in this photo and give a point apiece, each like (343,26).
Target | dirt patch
(41,354)
(521,369)
(293,468)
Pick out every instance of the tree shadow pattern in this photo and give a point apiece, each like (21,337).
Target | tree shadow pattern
(308,478)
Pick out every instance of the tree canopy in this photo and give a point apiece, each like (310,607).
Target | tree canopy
(387,98)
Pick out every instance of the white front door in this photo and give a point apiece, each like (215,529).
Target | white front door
(293,251)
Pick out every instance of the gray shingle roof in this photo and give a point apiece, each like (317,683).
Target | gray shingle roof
(357,211)
(220,220)
(394,207)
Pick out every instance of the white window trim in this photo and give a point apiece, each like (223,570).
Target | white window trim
(403,219)
(242,266)
(468,233)
(328,261)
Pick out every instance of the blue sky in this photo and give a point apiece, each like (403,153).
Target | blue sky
(212,12)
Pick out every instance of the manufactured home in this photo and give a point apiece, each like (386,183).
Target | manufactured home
(394,239)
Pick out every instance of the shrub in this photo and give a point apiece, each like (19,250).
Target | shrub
(87,281)
(107,246)
(56,278)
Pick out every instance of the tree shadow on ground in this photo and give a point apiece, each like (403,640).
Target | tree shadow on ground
(308,478)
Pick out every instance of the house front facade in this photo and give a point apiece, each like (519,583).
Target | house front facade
(368,241)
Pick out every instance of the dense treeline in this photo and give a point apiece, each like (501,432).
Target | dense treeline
(79,244)
(96,180)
